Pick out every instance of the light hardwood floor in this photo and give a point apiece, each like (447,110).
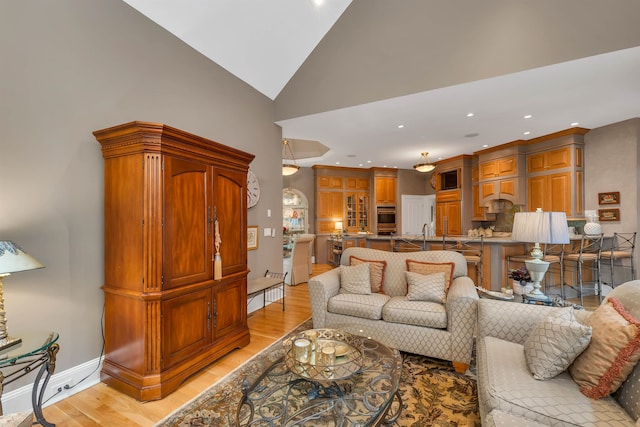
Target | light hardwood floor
(100,405)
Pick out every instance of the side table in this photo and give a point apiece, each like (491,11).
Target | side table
(37,349)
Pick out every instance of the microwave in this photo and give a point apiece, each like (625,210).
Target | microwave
(386,216)
(449,180)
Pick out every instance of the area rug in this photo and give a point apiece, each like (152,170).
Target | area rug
(433,394)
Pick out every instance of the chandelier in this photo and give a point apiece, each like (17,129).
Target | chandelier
(424,166)
(289,166)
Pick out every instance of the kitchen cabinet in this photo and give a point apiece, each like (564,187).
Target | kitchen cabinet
(479,211)
(385,187)
(449,218)
(330,208)
(555,175)
(501,176)
(352,183)
(548,160)
(357,212)
(166,315)
(550,192)
(334,182)
(497,168)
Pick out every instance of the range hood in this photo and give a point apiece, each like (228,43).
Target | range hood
(495,206)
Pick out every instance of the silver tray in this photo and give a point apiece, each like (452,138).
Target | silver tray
(348,356)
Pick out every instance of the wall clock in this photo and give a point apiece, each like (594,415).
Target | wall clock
(432,181)
(253,190)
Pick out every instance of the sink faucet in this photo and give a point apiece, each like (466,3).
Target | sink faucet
(424,228)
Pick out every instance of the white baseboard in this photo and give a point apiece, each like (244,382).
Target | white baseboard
(20,399)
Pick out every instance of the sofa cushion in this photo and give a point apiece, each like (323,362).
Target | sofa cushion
(613,353)
(355,279)
(419,313)
(498,418)
(505,383)
(554,344)
(431,268)
(376,271)
(364,306)
(426,287)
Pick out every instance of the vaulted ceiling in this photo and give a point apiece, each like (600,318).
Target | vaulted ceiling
(380,81)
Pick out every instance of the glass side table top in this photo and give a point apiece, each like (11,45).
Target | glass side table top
(32,343)
(280,397)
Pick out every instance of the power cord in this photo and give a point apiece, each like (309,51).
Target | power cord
(69,387)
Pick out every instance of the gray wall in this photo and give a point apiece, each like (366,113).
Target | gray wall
(70,67)
(612,163)
(381,49)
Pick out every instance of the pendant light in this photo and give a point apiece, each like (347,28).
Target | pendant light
(289,166)
(424,166)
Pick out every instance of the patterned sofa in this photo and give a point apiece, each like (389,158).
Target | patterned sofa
(508,393)
(444,331)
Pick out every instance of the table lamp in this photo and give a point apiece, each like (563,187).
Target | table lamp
(12,260)
(338,227)
(539,227)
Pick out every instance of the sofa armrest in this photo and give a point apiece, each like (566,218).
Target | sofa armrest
(461,306)
(321,288)
(510,321)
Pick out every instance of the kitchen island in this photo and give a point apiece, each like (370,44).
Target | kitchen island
(494,259)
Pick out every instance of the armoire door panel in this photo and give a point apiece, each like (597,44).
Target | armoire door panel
(187,232)
(229,308)
(187,326)
(229,204)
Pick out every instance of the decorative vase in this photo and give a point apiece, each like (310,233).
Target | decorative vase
(592,228)
(518,289)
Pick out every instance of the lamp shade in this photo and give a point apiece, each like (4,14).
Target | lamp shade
(540,227)
(13,258)
(338,225)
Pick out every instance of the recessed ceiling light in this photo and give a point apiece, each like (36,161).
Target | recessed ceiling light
(575,124)
(368,161)
(337,163)
(318,2)
(485,145)
(471,135)
(360,165)
(527,133)
(470,114)
(400,126)
(439,158)
(528,116)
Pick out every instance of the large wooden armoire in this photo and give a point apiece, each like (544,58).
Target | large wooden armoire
(165,315)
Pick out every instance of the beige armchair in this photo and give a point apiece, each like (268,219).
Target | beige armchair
(301,259)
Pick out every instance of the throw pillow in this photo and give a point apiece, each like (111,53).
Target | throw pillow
(612,354)
(426,268)
(426,288)
(376,270)
(355,279)
(554,344)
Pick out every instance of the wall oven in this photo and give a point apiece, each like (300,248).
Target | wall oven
(386,220)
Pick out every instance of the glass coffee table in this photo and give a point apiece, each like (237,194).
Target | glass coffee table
(282,397)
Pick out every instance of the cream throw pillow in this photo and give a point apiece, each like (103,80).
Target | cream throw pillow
(376,270)
(554,344)
(612,354)
(431,268)
(426,288)
(355,279)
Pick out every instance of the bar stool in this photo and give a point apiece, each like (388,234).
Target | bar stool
(589,252)
(622,248)
(553,254)
(472,249)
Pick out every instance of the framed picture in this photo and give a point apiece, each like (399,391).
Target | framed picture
(612,214)
(252,237)
(611,198)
